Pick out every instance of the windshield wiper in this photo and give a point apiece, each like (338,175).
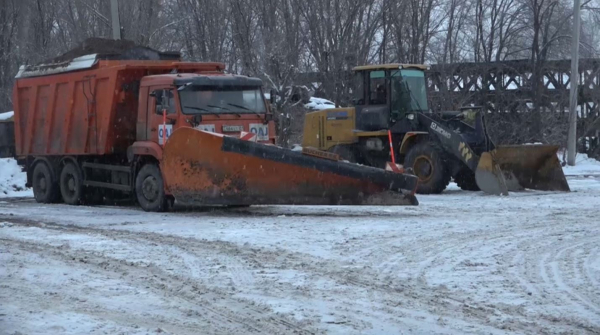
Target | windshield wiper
(227,109)
(203,109)
(214,106)
(244,108)
(196,108)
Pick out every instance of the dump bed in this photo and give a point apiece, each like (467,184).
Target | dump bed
(84,107)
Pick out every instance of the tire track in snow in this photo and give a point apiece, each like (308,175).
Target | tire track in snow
(252,318)
(552,266)
(412,293)
(510,241)
(586,268)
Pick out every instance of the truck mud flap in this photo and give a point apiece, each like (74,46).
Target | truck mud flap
(517,167)
(202,168)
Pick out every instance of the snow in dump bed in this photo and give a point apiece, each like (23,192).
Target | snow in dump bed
(79,63)
(7,115)
(12,179)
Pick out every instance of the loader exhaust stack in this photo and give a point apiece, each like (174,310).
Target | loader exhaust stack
(203,168)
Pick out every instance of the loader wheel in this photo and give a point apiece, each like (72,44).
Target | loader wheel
(150,189)
(465,179)
(71,184)
(45,188)
(427,161)
(344,152)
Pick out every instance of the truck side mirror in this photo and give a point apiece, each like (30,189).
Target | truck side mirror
(272,95)
(162,98)
(166,98)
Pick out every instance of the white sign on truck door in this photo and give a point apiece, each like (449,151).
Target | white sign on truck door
(161,129)
(261,131)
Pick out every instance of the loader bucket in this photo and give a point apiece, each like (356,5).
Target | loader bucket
(516,167)
(202,168)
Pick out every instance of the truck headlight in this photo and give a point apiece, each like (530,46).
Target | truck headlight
(410,116)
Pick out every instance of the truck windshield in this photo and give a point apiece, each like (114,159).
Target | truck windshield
(201,100)
(409,91)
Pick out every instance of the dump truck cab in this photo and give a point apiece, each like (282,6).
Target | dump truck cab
(216,102)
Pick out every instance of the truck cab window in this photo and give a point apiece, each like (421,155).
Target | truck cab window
(222,100)
(169,105)
(377,88)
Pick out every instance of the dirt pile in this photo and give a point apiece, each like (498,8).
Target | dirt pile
(114,49)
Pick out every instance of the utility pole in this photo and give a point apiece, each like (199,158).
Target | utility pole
(116,23)
(572,137)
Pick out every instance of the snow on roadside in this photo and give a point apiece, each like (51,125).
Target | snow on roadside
(584,165)
(12,179)
(6,116)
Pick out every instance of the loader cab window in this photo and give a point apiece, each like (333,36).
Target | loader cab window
(161,102)
(409,91)
(359,88)
(377,88)
(400,104)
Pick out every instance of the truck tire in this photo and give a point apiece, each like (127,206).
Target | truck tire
(45,188)
(345,152)
(150,189)
(465,179)
(427,162)
(71,184)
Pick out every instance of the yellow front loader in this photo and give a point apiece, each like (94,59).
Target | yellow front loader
(390,111)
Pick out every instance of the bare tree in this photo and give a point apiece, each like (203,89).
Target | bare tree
(339,34)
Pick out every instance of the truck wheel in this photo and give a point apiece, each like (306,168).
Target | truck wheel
(71,184)
(150,189)
(465,179)
(345,152)
(427,161)
(45,188)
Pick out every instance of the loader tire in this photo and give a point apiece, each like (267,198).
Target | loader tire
(426,159)
(45,188)
(345,152)
(150,190)
(465,179)
(71,184)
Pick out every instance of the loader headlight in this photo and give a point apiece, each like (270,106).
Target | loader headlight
(410,116)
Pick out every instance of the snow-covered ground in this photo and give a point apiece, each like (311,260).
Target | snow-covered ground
(583,166)
(12,179)
(460,262)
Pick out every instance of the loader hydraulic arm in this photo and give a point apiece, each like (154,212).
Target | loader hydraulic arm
(452,141)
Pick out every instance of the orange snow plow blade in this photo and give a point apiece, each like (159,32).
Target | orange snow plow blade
(202,168)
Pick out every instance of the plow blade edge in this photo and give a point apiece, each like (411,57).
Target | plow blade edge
(202,168)
(516,167)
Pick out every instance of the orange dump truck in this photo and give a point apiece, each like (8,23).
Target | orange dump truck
(166,130)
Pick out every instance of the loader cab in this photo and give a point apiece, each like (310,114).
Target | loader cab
(386,94)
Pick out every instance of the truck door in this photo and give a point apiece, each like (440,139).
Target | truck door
(161,99)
